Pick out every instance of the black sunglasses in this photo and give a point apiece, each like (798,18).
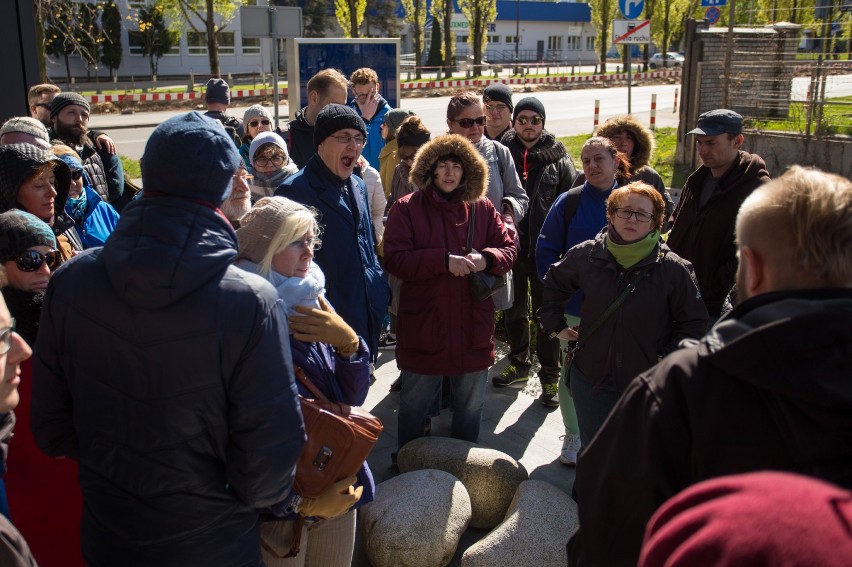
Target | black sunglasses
(45,105)
(468,122)
(76,174)
(254,123)
(31,260)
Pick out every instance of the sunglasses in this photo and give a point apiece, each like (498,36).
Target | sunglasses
(76,174)
(45,105)
(256,123)
(468,122)
(536,120)
(31,260)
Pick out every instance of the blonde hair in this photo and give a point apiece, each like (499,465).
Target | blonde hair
(802,222)
(36,91)
(617,197)
(270,225)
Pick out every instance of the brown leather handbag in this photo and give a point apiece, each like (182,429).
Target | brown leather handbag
(340,437)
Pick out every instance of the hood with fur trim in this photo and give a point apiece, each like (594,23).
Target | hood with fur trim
(645,143)
(475,183)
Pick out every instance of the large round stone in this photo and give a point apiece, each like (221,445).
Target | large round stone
(490,476)
(540,521)
(416,520)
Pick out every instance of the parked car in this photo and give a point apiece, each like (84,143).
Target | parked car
(672,60)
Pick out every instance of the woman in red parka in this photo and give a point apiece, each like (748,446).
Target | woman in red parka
(441,329)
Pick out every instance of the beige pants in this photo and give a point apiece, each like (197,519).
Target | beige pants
(325,543)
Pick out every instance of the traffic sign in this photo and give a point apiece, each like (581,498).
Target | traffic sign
(712,14)
(631,8)
(705,3)
(631,31)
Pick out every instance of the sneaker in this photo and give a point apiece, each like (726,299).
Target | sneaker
(570,448)
(512,375)
(549,395)
(387,342)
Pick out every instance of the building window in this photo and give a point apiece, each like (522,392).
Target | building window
(554,42)
(511,39)
(251,46)
(493,39)
(135,4)
(590,43)
(573,43)
(196,43)
(226,43)
(461,39)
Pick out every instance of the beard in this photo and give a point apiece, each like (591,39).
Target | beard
(234,210)
(70,133)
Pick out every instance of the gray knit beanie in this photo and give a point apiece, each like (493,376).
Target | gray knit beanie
(256,111)
(218,91)
(61,100)
(394,118)
(27,125)
(335,117)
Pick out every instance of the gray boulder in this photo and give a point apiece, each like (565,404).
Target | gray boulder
(416,520)
(490,476)
(538,524)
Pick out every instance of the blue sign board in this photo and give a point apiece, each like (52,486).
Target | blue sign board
(631,8)
(714,3)
(712,14)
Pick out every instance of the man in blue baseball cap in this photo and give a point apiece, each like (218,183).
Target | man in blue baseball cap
(175,390)
(703,229)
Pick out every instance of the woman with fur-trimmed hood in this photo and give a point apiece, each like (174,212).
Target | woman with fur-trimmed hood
(441,328)
(637,143)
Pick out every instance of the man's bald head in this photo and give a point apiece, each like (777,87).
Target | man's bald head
(796,233)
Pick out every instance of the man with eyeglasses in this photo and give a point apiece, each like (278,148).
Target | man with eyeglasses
(497,99)
(546,170)
(175,392)
(371,107)
(69,116)
(326,87)
(354,280)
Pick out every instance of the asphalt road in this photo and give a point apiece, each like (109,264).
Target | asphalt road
(569,112)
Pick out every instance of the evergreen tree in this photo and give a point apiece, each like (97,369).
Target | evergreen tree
(111,50)
(157,39)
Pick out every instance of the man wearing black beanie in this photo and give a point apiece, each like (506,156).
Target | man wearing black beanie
(545,170)
(497,99)
(354,280)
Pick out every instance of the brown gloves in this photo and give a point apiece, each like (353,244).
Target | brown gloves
(333,502)
(324,326)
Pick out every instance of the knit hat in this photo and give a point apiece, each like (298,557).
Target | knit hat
(190,156)
(61,100)
(217,91)
(394,118)
(412,132)
(528,103)
(498,92)
(19,231)
(256,111)
(267,138)
(762,518)
(333,118)
(18,162)
(261,222)
(27,125)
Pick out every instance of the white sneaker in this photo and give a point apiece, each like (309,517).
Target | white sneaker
(570,448)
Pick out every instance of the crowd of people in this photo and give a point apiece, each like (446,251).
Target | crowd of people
(153,336)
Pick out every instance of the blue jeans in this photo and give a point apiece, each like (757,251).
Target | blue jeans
(420,393)
(592,403)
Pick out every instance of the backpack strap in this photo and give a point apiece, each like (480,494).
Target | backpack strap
(572,203)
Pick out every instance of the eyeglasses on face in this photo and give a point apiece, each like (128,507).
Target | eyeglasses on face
(256,123)
(536,120)
(76,174)
(244,177)
(641,216)
(496,108)
(468,122)
(310,243)
(359,141)
(31,260)
(6,338)
(274,160)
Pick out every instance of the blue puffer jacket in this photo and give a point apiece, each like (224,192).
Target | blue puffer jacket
(355,282)
(375,142)
(101,219)
(166,372)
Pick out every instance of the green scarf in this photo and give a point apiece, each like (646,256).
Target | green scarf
(628,255)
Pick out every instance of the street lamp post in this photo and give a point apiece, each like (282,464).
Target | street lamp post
(517,32)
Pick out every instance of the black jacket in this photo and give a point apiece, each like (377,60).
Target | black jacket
(705,236)
(166,372)
(767,389)
(300,139)
(545,170)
